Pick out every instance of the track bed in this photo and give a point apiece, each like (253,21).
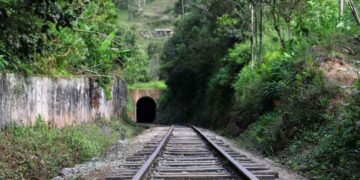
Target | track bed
(184,152)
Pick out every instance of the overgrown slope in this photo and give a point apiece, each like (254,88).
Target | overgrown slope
(39,152)
(282,83)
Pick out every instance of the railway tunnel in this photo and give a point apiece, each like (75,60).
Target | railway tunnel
(145,110)
(143,103)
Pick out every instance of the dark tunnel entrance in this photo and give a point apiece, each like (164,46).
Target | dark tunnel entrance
(145,110)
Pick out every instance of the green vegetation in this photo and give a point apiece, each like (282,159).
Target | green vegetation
(276,84)
(328,149)
(279,76)
(39,152)
(143,18)
(142,70)
(149,85)
(69,38)
(62,38)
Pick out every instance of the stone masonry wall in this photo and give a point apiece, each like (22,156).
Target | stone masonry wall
(59,101)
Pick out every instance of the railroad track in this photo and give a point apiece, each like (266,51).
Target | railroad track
(184,152)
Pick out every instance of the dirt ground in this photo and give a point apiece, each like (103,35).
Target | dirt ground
(99,168)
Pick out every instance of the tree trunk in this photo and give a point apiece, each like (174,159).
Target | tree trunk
(183,9)
(138,2)
(261,31)
(276,19)
(252,34)
(354,11)
(130,13)
(341,8)
(256,31)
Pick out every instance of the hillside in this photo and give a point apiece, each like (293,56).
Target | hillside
(156,14)
(279,77)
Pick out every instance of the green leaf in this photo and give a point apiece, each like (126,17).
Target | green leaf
(340,25)
(106,44)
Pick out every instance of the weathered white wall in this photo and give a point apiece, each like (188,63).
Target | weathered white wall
(59,101)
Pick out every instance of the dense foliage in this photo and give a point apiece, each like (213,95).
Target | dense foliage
(188,64)
(262,80)
(64,38)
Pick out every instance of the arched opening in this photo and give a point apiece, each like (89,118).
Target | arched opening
(145,110)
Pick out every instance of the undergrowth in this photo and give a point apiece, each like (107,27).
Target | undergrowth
(40,151)
(321,143)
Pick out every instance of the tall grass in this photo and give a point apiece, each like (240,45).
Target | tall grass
(40,151)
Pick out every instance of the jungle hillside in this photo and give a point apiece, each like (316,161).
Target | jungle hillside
(279,77)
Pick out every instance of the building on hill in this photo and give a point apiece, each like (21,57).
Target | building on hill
(158,33)
(164,33)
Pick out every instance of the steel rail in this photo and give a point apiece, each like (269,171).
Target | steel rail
(243,172)
(146,166)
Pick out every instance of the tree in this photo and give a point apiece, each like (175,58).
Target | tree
(252,34)
(341,8)
(354,11)
(191,57)
(282,11)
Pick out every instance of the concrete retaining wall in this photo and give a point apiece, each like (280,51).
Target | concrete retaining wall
(59,101)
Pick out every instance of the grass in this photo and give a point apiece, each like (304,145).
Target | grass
(149,85)
(39,152)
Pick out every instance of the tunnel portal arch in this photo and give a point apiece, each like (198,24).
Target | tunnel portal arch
(145,110)
(136,94)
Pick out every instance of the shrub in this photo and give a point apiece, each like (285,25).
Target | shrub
(266,132)
(136,68)
(334,152)
(256,88)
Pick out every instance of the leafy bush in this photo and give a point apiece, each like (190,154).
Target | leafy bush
(220,88)
(136,68)
(286,106)
(334,152)
(219,91)
(258,87)
(305,103)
